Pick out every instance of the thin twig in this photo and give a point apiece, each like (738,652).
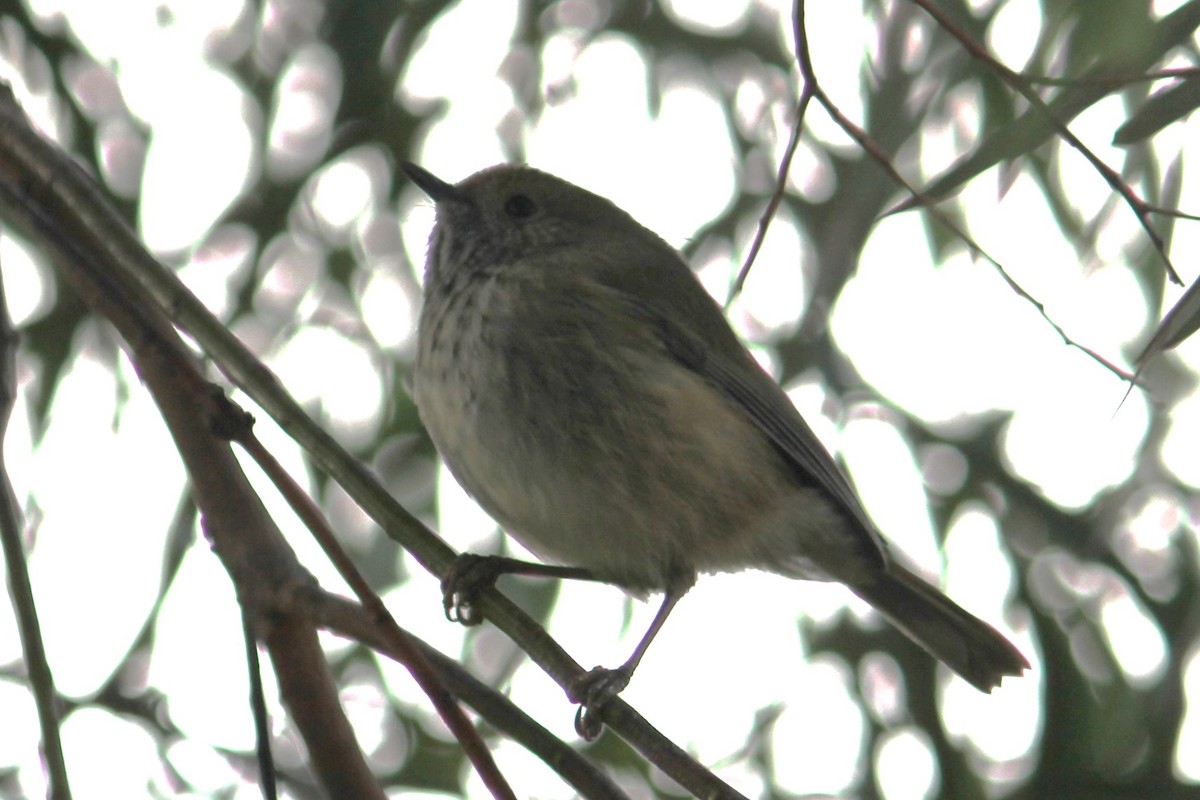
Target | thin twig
(785,166)
(1140,208)
(258,707)
(1172,212)
(872,148)
(399,640)
(21,590)
(41,194)
(349,619)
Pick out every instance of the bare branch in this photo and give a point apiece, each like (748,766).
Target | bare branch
(348,619)
(19,587)
(872,148)
(41,196)
(407,653)
(1140,207)
(785,166)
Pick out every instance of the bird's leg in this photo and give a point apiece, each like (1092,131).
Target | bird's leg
(595,688)
(470,574)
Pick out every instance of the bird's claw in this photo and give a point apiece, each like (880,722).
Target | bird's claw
(467,576)
(592,692)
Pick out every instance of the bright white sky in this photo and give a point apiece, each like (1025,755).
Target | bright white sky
(105,489)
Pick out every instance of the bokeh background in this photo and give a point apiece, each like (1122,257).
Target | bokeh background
(254,147)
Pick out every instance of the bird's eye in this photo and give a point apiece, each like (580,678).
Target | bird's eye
(519,206)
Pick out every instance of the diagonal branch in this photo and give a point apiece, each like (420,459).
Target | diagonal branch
(264,569)
(872,148)
(785,166)
(398,640)
(352,621)
(1141,209)
(36,666)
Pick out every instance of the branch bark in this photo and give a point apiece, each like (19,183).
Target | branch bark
(245,538)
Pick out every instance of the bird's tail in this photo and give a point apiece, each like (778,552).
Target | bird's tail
(967,645)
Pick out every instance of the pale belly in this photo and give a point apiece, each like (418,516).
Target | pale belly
(646,492)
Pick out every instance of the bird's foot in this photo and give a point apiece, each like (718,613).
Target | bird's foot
(592,692)
(466,578)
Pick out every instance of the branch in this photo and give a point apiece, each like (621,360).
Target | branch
(303,673)
(872,148)
(785,166)
(19,587)
(401,644)
(1141,209)
(40,193)
(352,621)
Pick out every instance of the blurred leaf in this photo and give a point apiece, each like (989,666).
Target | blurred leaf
(1179,323)
(1028,131)
(51,340)
(1159,111)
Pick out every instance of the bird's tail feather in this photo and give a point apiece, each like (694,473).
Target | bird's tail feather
(969,646)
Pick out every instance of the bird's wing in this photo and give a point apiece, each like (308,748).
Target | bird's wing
(721,359)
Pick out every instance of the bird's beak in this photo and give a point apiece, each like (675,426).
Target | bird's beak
(437,189)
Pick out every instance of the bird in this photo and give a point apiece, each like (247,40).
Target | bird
(582,385)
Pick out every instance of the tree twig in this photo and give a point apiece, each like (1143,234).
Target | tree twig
(781,176)
(1140,207)
(348,619)
(400,643)
(21,590)
(872,148)
(35,198)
